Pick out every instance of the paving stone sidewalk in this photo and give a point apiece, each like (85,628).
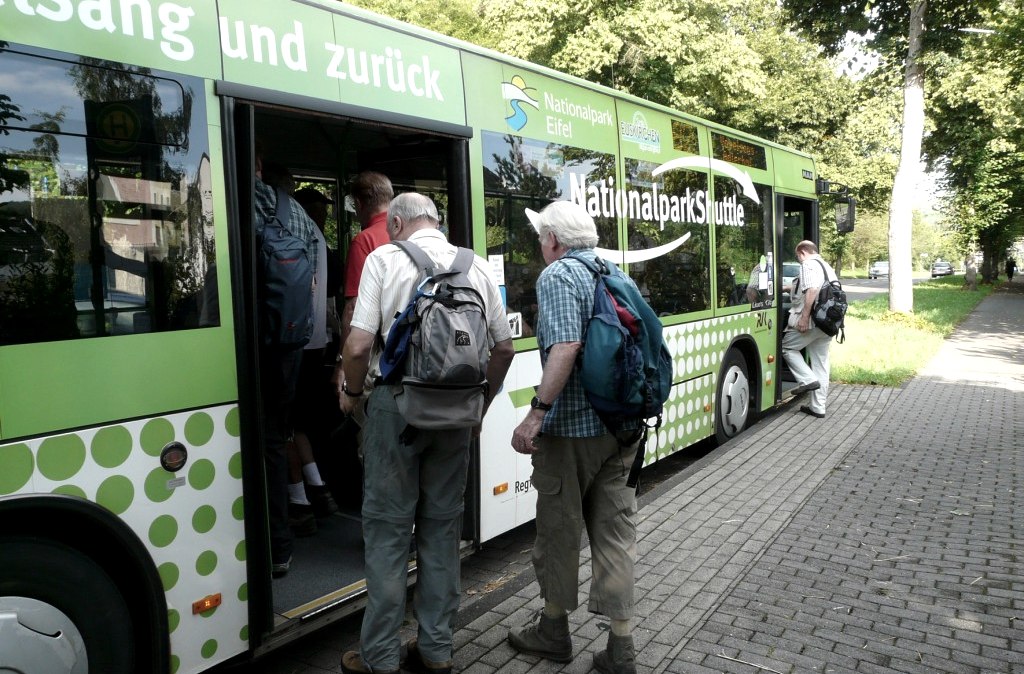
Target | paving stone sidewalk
(887,544)
(883,539)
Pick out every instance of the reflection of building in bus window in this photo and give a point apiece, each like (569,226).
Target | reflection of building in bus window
(143,267)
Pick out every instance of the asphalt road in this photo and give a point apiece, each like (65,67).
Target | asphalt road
(863,288)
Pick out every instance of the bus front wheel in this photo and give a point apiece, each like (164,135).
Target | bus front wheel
(732,409)
(60,611)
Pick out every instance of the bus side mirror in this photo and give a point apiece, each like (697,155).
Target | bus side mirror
(846,214)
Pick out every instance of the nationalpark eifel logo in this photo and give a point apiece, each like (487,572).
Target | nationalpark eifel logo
(516,93)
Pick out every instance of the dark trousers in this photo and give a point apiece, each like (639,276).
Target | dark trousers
(279,372)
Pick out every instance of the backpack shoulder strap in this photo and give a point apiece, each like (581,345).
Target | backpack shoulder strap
(418,257)
(597,266)
(283,208)
(463,261)
(824,272)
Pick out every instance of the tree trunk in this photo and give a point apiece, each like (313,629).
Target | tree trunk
(989,265)
(904,188)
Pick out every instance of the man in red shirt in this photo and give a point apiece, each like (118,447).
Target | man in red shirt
(371,192)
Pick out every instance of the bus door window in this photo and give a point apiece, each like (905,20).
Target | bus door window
(797,226)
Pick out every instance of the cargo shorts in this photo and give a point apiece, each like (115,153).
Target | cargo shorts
(581,482)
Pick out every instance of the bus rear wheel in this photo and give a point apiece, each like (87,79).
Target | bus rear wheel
(60,611)
(732,408)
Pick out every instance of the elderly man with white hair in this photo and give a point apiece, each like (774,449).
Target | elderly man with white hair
(579,467)
(416,482)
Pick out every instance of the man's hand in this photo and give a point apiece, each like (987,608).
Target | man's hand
(524,438)
(347,403)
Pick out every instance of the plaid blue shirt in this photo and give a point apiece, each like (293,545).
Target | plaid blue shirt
(299,224)
(565,298)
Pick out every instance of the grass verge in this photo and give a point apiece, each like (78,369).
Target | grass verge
(887,348)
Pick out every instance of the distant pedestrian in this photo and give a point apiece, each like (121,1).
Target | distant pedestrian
(803,335)
(579,467)
(1011,266)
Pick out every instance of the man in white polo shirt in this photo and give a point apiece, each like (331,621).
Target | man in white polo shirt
(802,333)
(419,481)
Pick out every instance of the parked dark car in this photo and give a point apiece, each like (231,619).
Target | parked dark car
(941,268)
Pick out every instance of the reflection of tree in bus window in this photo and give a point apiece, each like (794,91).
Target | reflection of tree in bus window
(521,173)
(678,282)
(144,265)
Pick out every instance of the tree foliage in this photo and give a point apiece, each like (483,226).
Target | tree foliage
(978,138)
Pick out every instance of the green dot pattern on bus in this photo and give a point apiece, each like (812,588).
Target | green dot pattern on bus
(189,521)
(203,519)
(61,456)
(689,412)
(201,474)
(163,531)
(116,493)
(111,446)
(206,563)
(155,436)
(19,464)
(156,485)
(198,429)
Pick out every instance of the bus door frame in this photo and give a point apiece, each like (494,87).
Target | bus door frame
(238,112)
(785,203)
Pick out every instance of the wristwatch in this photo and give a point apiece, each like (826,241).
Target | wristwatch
(350,394)
(538,405)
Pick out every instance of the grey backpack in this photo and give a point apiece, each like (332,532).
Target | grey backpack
(438,347)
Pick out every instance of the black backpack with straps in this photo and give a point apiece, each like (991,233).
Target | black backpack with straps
(829,310)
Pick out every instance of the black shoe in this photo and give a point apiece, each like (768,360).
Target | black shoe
(323,503)
(804,388)
(301,519)
(280,569)
(806,409)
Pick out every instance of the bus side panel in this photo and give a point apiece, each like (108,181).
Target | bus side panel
(506,496)
(190,521)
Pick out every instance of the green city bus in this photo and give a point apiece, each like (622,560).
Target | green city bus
(133,514)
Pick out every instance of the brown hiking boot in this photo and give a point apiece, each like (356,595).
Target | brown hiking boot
(544,637)
(352,663)
(618,658)
(417,664)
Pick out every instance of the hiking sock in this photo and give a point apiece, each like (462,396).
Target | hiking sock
(312,474)
(297,493)
(620,628)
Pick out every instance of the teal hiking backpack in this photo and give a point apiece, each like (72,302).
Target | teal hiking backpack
(625,367)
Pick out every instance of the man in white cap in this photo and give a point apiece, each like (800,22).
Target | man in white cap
(579,467)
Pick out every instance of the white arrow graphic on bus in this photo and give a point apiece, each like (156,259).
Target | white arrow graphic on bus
(624,256)
(631,256)
(715,165)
